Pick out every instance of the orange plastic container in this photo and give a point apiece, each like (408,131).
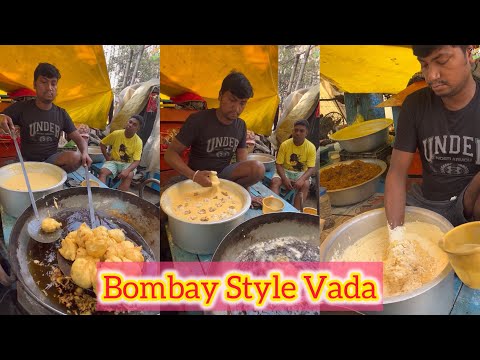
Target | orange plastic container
(7,147)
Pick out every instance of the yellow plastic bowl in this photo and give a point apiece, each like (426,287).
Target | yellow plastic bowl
(310,210)
(272,204)
(465,260)
(93,183)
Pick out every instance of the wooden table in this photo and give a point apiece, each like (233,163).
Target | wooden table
(467,300)
(8,221)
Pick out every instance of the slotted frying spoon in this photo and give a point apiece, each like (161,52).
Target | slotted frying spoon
(35,225)
(64,264)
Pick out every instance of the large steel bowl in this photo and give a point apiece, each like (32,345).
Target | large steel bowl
(435,297)
(354,194)
(16,201)
(137,217)
(267,160)
(196,237)
(96,154)
(365,136)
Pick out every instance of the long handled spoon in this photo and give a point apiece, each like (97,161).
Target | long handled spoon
(64,264)
(90,201)
(35,225)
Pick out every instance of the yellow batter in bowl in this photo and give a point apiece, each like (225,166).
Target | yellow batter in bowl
(207,204)
(361,129)
(417,261)
(38,181)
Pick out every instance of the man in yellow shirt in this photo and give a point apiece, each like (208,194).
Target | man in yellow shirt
(295,163)
(125,154)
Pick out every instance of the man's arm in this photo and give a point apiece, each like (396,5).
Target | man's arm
(285,180)
(11,116)
(306,175)
(82,146)
(6,123)
(279,161)
(395,187)
(128,170)
(242,151)
(133,166)
(105,153)
(241,154)
(174,159)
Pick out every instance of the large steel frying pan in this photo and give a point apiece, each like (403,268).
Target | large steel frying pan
(138,217)
(267,228)
(261,239)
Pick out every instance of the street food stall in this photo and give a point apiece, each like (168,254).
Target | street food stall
(199,236)
(420,281)
(27,266)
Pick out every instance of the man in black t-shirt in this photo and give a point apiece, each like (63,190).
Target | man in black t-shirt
(41,122)
(443,122)
(214,136)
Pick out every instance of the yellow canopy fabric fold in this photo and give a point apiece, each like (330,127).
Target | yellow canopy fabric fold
(84,88)
(200,69)
(368,68)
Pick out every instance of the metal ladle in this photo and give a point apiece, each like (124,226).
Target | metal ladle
(35,225)
(64,264)
(90,201)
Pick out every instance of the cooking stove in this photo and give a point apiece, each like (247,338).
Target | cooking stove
(9,304)
(14,300)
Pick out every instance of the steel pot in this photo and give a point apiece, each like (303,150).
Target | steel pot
(365,136)
(354,194)
(435,297)
(16,201)
(267,160)
(267,227)
(96,154)
(138,217)
(201,238)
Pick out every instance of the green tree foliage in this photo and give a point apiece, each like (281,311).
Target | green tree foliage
(286,61)
(118,56)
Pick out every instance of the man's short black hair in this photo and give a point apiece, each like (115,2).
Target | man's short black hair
(238,84)
(425,50)
(139,118)
(301,122)
(47,70)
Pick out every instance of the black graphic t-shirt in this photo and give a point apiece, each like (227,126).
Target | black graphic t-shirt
(40,129)
(448,141)
(212,143)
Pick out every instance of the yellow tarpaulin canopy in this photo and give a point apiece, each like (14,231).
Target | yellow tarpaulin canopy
(84,88)
(368,68)
(200,69)
(398,99)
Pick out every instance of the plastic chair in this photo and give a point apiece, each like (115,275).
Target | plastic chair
(288,195)
(95,168)
(113,183)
